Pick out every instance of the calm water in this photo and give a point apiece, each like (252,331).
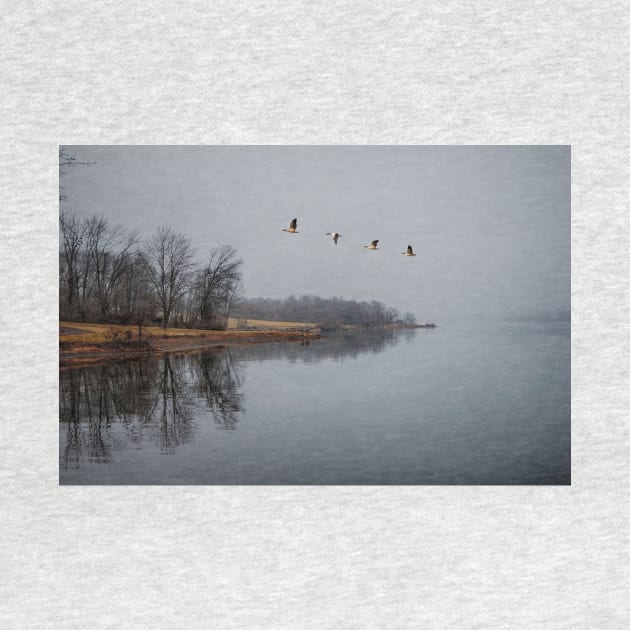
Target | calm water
(461,404)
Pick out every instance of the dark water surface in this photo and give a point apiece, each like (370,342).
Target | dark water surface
(461,404)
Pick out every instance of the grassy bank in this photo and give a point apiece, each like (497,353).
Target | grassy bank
(84,343)
(266,324)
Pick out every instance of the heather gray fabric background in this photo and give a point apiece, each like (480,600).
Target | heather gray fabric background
(328,72)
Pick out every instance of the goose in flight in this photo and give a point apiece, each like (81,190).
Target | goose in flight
(409,251)
(372,245)
(292,227)
(335,236)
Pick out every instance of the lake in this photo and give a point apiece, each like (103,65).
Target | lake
(464,403)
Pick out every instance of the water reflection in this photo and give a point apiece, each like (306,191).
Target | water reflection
(171,413)
(339,347)
(161,401)
(217,380)
(116,406)
(91,399)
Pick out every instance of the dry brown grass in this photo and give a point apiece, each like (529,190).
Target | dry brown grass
(268,324)
(94,342)
(98,333)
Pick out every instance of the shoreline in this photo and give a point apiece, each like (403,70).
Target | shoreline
(76,351)
(83,344)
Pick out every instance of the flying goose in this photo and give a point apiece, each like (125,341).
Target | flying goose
(292,227)
(335,236)
(372,245)
(409,251)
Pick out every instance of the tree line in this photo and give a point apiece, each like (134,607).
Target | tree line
(107,274)
(327,312)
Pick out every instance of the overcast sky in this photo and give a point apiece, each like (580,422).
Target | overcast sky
(490,225)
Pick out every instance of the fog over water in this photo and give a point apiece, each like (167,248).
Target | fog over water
(490,225)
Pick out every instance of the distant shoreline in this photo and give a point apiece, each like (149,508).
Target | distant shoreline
(81,343)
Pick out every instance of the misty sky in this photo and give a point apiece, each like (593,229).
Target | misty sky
(490,225)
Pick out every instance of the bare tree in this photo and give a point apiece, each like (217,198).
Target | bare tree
(72,236)
(218,284)
(72,241)
(110,251)
(169,263)
(134,298)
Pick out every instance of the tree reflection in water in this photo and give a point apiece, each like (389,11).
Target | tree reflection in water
(217,380)
(171,415)
(91,399)
(338,346)
(115,406)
